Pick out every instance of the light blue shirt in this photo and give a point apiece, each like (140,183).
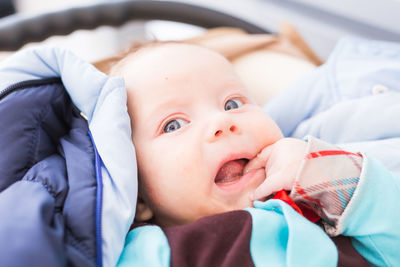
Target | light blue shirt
(353,100)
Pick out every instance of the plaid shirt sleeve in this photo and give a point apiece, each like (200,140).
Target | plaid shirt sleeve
(326,181)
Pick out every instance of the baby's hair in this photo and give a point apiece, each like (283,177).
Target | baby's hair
(111,65)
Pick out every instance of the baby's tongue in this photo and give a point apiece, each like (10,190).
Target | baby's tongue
(231,171)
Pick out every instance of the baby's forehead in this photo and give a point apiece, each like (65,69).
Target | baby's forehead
(172,56)
(173,63)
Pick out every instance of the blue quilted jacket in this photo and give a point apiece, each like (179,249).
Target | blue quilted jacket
(67,163)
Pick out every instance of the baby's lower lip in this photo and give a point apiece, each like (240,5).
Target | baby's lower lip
(239,182)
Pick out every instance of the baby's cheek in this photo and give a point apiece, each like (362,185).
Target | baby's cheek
(269,131)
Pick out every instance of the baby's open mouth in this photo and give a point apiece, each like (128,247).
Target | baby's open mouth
(231,171)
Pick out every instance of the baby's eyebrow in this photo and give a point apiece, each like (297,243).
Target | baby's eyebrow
(165,108)
(162,107)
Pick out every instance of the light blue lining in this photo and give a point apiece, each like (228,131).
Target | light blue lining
(146,246)
(282,237)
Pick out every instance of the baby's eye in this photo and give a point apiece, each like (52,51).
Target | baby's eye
(174,125)
(232,104)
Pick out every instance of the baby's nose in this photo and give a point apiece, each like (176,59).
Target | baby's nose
(222,127)
(232,129)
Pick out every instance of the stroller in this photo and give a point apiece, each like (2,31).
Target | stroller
(67,164)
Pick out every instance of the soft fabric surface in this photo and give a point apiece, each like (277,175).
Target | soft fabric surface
(352,100)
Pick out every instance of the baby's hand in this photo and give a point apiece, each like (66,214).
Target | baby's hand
(281,162)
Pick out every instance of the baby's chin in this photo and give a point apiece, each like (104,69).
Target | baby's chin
(240,202)
(244,202)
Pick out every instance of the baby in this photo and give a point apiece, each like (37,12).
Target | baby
(195,128)
(204,147)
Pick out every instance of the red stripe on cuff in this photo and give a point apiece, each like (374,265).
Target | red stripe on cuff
(325,153)
(304,194)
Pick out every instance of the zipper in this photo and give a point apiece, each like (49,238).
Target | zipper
(26,84)
(99,200)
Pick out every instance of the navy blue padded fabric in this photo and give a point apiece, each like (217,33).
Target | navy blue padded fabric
(47,179)
(26,116)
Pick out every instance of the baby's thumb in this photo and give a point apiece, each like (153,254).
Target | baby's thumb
(259,161)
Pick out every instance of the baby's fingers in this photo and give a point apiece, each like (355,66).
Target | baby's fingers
(260,160)
(272,184)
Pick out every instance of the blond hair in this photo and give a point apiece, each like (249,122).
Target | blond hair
(111,65)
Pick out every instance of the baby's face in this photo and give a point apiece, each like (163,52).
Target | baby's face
(194,129)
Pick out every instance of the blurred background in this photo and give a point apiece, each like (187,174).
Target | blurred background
(321,23)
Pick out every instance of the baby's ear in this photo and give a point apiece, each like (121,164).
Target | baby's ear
(143,211)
